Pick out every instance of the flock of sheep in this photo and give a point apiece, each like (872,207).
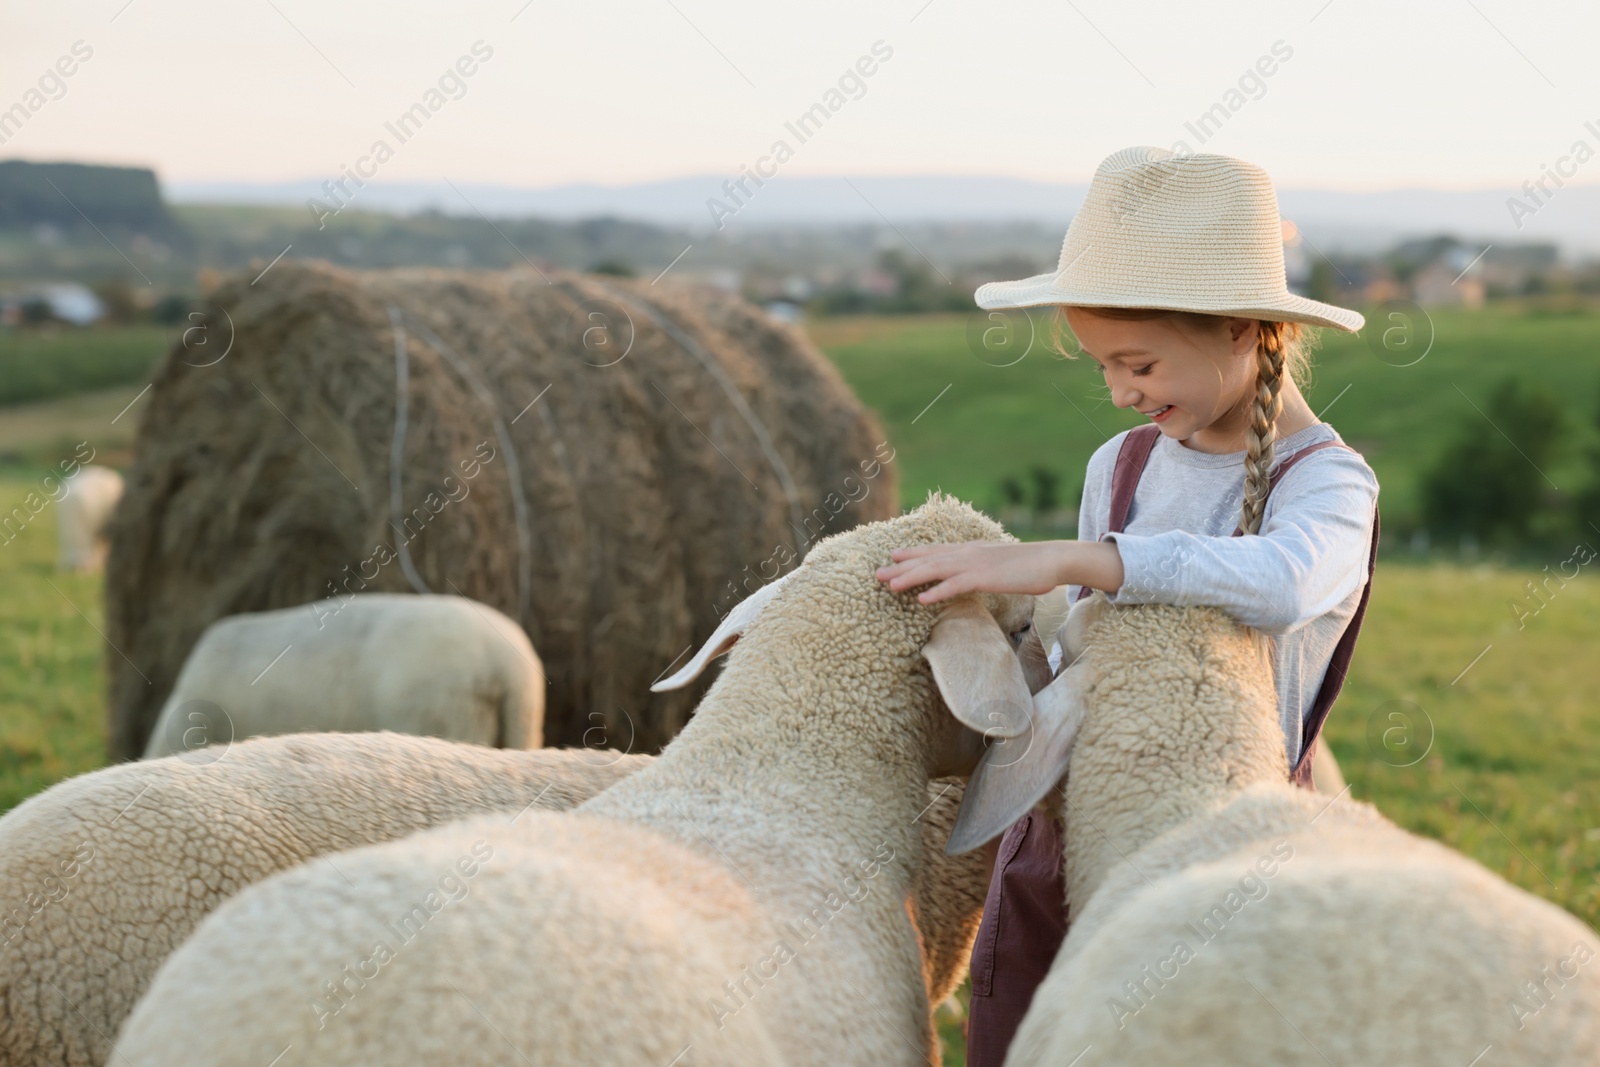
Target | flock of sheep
(791,881)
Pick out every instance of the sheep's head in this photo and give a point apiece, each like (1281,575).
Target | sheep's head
(966,667)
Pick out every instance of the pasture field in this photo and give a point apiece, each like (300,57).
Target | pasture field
(1044,410)
(42,365)
(1470,715)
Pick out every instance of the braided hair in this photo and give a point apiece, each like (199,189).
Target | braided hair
(1262,433)
(1281,348)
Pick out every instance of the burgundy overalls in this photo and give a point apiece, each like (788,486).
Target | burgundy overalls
(1024,916)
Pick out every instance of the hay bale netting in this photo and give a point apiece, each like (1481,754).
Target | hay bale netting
(634,453)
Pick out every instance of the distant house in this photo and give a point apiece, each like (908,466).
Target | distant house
(877,282)
(1381,289)
(67,301)
(1442,283)
(785,311)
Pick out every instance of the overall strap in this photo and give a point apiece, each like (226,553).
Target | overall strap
(1338,668)
(1131,458)
(1344,651)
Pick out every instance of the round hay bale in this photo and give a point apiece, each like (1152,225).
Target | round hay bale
(611,463)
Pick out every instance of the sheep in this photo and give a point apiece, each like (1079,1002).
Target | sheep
(123,863)
(82,516)
(101,876)
(434,665)
(741,900)
(1222,915)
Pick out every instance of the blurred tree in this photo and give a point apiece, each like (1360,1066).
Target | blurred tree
(1046,483)
(1489,483)
(116,296)
(918,288)
(37,313)
(1320,286)
(1586,506)
(171,309)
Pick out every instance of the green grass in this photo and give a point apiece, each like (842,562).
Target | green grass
(42,364)
(52,671)
(40,434)
(1046,410)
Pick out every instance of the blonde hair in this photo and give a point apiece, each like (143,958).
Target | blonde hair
(1281,348)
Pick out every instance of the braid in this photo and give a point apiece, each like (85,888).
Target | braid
(1263,431)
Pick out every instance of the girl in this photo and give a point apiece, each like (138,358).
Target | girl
(1172,280)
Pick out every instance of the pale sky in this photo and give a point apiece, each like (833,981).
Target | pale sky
(1439,93)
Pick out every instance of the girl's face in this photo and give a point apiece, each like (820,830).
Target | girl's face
(1187,383)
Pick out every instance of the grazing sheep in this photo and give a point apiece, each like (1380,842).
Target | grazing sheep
(1229,917)
(82,517)
(743,894)
(437,666)
(137,854)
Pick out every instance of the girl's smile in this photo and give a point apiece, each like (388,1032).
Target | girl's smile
(1196,381)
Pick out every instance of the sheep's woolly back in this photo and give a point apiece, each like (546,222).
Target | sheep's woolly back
(1181,714)
(431,664)
(105,874)
(489,936)
(1286,927)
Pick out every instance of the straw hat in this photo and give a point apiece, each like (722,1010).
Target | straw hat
(1159,229)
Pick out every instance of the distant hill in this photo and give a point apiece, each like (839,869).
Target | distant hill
(72,196)
(1361,221)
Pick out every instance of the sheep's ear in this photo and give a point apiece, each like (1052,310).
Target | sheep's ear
(1073,636)
(977,670)
(727,632)
(1016,773)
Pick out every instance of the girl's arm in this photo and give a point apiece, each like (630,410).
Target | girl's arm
(1034,567)
(1310,554)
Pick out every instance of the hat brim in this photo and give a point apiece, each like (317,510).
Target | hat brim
(1041,290)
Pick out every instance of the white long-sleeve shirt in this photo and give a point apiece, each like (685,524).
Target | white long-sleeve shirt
(1298,581)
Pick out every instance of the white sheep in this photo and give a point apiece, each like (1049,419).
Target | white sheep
(744,894)
(103,875)
(1229,917)
(123,863)
(432,665)
(82,516)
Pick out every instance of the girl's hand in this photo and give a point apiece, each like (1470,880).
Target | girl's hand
(976,566)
